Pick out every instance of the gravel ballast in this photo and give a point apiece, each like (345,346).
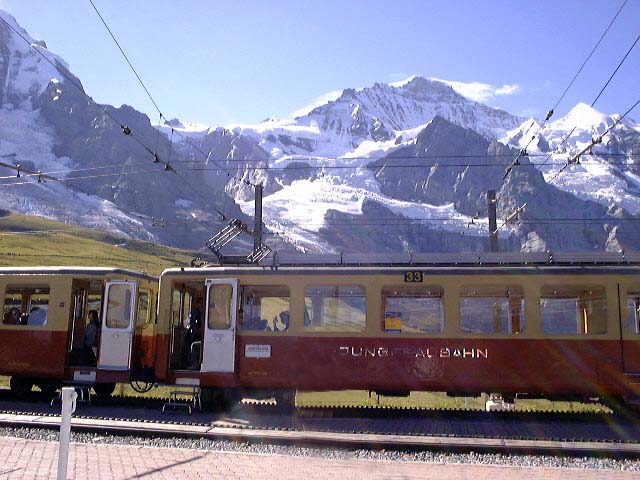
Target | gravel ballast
(516,460)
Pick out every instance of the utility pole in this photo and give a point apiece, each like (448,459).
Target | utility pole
(493,222)
(257,226)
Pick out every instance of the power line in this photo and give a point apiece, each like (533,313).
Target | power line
(572,161)
(69,179)
(72,170)
(155,104)
(125,57)
(46,175)
(523,151)
(125,129)
(616,70)
(590,55)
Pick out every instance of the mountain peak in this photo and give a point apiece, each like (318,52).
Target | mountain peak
(402,83)
(10,19)
(581,116)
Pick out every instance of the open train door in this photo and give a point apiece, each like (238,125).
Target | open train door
(220,326)
(118,324)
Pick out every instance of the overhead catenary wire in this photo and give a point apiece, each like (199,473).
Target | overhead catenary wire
(125,129)
(573,160)
(395,222)
(615,71)
(523,151)
(153,101)
(26,173)
(568,135)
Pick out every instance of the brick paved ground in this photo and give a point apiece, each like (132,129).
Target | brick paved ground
(27,459)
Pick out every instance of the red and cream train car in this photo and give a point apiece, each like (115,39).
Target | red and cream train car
(541,330)
(47,334)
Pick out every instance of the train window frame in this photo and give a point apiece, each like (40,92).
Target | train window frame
(333,327)
(263,323)
(213,307)
(514,297)
(392,320)
(550,292)
(26,309)
(112,322)
(632,325)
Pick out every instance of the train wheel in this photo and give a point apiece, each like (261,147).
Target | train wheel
(20,387)
(285,400)
(104,390)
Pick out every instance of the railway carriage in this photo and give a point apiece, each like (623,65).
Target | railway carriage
(45,325)
(548,330)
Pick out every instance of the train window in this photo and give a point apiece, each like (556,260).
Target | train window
(119,306)
(413,309)
(633,311)
(566,310)
(219,309)
(26,305)
(143,314)
(492,310)
(335,308)
(264,308)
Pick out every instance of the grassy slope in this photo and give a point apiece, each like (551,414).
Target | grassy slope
(82,247)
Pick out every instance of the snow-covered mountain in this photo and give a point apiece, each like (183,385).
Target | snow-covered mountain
(386,168)
(27,139)
(608,176)
(371,115)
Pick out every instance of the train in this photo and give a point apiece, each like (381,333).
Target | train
(518,326)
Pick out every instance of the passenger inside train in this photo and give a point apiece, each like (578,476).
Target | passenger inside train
(85,326)
(187,320)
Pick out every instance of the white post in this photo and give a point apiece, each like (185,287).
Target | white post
(69,396)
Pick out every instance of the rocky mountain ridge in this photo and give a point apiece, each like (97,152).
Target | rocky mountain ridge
(386,168)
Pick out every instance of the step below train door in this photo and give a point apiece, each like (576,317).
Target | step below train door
(220,326)
(118,324)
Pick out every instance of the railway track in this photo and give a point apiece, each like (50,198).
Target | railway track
(584,434)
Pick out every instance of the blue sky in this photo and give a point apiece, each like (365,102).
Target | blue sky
(227,62)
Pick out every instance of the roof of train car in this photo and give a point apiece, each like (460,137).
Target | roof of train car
(75,271)
(547,262)
(484,269)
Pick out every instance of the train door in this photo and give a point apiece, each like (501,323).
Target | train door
(144,341)
(631,330)
(76,354)
(118,324)
(220,325)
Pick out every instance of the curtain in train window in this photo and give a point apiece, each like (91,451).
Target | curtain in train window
(333,308)
(264,308)
(412,309)
(26,305)
(492,309)
(566,310)
(633,311)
